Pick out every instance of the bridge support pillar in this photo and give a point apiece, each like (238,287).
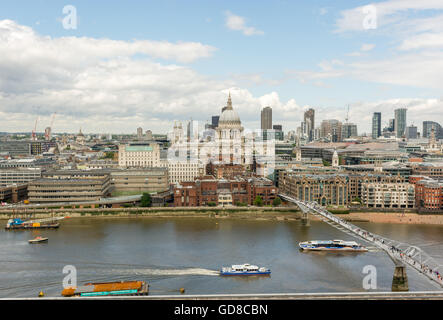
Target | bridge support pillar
(400,279)
(305,220)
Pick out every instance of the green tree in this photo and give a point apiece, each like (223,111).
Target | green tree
(145,200)
(258,201)
(276,202)
(108,155)
(357,199)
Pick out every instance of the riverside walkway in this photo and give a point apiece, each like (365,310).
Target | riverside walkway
(400,253)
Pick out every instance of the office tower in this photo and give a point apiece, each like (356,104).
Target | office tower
(411,132)
(400,122)
(391,125)
(278,131)
(427,127)
(309,119)
(192,130)
(331,129)
(215,121)
(266,118)
(139,133)
(348,130)
(376,125)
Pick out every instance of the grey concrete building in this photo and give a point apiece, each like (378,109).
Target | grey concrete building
(266,118)
(18,176)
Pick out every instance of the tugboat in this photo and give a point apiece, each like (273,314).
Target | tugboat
(332,245)
(244,270)
(38,240)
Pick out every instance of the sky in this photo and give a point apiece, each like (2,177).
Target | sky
(113,66)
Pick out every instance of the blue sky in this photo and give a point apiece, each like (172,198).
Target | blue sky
(312,53)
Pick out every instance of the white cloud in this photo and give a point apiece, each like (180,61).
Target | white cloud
(387,12)
(367,47)
(238,23)
(420,70)
(98,85)
(22,38)
(424,40)
(323,11)
(419,110)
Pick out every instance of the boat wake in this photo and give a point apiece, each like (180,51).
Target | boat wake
(169,272)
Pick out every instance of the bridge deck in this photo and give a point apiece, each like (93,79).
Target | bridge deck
(400,253)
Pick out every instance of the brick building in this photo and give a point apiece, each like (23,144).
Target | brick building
(223,192)
(224,171)
(429,194)
(433,170)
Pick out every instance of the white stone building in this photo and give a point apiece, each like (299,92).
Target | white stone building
(388,195)
(182,171)
(139,155)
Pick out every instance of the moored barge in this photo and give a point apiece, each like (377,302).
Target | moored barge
(98,289)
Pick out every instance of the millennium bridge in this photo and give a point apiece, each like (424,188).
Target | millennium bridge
(402,254)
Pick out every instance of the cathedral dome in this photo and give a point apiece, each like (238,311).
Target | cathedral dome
(229,116)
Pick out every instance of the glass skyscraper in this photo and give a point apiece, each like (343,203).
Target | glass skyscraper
(400,122)
(376,125)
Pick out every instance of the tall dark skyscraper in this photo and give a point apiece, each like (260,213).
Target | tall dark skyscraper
(309,119)
(376,125)
(391,125)
(215,121)
(266,118)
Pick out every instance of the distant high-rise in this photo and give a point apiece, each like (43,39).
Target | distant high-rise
(139,133)
(278,131)
(331,129)
(427,127)
(309,119)
(348,130)
(148,135)
(215,121)
(411,132)
(391,125)
(192,130)
(266,118)
(400,122)
(376,125)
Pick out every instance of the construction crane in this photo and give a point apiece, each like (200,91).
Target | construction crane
(34,135)
(49,129)
(347,115)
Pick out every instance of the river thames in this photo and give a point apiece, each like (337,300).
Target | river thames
(174,253)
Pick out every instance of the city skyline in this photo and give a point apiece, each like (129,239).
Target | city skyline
(142,73)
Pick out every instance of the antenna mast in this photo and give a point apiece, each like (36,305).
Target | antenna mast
(347,115)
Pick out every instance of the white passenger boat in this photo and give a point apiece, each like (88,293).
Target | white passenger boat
(244,270)
(332,245)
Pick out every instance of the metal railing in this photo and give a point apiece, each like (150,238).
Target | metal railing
(401,253)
